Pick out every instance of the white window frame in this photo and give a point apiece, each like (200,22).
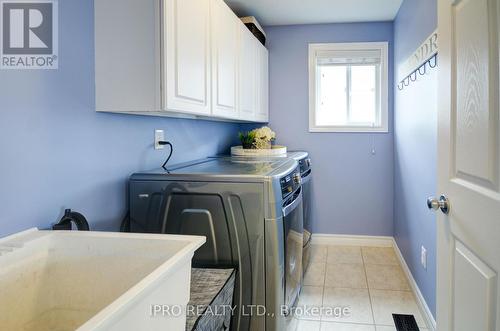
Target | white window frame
(383,100)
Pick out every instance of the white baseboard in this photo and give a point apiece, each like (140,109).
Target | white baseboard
(347,240)
(380,241)
(424,308)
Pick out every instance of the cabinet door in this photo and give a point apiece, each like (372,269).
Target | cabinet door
(186,56)
(247,76)
(263,85)
(224,60)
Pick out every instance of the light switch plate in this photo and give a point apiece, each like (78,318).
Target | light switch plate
(159,136)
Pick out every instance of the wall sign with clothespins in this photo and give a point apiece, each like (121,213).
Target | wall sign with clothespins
(423,59)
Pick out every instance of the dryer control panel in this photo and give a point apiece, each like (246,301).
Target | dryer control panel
(290,182)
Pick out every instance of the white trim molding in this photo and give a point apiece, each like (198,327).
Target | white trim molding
(380,241)
(424,308)
(348,240)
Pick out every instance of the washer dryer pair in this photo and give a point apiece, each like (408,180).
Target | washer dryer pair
(251,213)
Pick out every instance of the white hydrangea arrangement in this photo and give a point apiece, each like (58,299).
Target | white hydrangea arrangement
(263,137)
(260,138)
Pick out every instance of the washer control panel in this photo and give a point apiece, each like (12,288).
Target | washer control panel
(305,165)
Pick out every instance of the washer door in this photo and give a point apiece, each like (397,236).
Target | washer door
(293,232)
(229,215)
(306,196)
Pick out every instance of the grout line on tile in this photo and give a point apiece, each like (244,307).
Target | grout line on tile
(357,288)
(351,323)
(392,290)
(368,286)
(354,323)
(324,282)
(324,287)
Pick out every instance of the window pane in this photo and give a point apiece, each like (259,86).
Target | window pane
(363,95)
(332,99)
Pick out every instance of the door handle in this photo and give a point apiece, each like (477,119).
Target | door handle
(443,203)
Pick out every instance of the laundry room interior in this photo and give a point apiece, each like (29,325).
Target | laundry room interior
(249,165)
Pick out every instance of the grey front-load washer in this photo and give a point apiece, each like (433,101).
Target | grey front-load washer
(251,213)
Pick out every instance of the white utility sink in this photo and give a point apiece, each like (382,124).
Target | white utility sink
(75,280)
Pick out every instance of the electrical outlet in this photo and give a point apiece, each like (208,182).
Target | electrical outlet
(423,257)
(159,136)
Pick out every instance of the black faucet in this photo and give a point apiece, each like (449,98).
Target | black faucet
(69,217)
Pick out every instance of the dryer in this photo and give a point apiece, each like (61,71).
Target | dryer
(251,213)
(306,174)
(304,161)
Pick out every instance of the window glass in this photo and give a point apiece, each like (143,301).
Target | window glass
(363,108)
(347,95)
(332,108)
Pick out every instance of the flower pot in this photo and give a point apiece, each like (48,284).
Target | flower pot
(248,146)
(262,144)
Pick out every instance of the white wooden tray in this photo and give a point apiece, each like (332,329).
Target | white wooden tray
(274,151)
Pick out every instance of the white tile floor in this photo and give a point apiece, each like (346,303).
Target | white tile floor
(368,280)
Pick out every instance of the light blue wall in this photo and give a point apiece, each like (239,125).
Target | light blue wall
(352,189)
(415,144)
(56,152)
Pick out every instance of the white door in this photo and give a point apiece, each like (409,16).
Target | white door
(263,85)
(247,76)
(224,60)
(186,56)
(468,238)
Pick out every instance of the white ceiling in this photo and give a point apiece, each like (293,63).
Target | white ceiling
(283,12)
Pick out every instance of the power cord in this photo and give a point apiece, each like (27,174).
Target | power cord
(163,143)
(125,225)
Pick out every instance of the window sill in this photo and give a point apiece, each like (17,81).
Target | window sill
(347,129)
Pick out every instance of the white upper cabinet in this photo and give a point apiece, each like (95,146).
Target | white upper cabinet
(247,75)
(186,56)
(225,35)
(262,87)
